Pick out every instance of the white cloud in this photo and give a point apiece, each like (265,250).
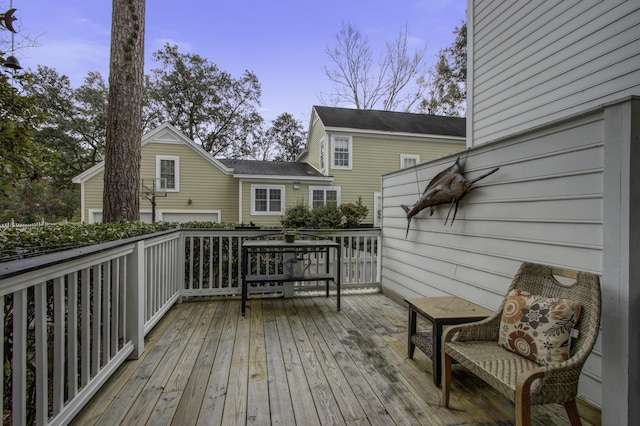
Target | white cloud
(72,57)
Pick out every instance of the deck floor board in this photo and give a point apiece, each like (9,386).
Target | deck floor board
(292,361)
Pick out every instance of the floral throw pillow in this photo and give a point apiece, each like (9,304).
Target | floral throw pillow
(538,328)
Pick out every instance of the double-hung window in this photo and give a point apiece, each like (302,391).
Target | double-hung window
(322,154)
(408,160)
(341,152)
(267,200)
(168,168)
(321,196)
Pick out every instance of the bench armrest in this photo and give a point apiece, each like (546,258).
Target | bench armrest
(486,329)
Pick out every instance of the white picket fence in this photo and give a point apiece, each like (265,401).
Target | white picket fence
(42,222)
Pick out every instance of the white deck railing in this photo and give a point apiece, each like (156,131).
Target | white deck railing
(72,318)
(213,259)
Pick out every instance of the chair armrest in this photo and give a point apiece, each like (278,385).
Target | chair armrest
(557,379)
(486,329)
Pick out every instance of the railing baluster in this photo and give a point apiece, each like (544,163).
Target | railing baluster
(115,303)
(201,262)
(210,258)
(19,363)
(106,313)
(220,276)
(41,349)
(72,334)
(58,344)
(191,262)
(150,280)
(85,346)
(122,308)
(95,323)
(154,284)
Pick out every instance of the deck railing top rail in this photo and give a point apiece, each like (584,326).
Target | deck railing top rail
(21,266)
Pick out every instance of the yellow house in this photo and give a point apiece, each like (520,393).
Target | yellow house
(347,152)
(203,188)
(357,147)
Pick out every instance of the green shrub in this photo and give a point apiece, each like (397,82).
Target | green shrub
(329,216)
(354,213)
(326,217)
(27,242)
(298,216)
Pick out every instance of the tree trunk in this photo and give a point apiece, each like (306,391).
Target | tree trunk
(124,119)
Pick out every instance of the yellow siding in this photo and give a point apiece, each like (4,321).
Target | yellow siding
(291,198)
(315,135)
(93,194)
(373,157)
(203,183)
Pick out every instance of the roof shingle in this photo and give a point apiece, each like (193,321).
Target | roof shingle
(391,121)
(276,168)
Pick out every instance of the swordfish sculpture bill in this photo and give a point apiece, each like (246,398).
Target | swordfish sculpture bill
(448,186)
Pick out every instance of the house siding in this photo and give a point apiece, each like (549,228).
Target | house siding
(93,190)
(545,205)
(292,197)
(316,133)
(373,157)
(208,188)
(534,62)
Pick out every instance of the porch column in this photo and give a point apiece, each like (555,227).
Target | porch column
(621,264)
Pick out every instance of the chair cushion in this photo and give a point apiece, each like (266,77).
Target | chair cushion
(495,365)
(537,327)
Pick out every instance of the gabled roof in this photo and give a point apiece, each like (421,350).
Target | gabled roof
(165,133)
(390,121)
(271,168)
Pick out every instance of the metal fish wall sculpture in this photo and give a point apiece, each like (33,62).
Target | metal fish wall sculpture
(448,186)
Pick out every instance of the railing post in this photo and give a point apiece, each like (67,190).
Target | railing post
(135,299)
(379,259)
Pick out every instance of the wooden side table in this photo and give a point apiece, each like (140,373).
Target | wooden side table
(440,311)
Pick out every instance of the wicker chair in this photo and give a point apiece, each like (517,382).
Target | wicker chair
(525,382)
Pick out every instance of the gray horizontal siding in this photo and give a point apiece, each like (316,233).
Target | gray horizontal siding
(536,62)
(544,205)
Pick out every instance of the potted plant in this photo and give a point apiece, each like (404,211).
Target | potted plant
(289,235)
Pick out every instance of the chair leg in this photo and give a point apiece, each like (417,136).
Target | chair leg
(523,397)
(446,378)
(523,414)
(523,406)
(572,412)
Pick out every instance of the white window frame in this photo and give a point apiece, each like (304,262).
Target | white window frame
(404,157)
(333,152)
(324,189)
(268,188)
(323,155)
(377,209)
(176,162)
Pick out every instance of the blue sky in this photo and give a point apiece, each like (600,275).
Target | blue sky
(281,41)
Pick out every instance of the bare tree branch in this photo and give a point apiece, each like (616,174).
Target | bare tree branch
(357,82)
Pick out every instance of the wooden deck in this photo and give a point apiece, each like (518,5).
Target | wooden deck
(292,361)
